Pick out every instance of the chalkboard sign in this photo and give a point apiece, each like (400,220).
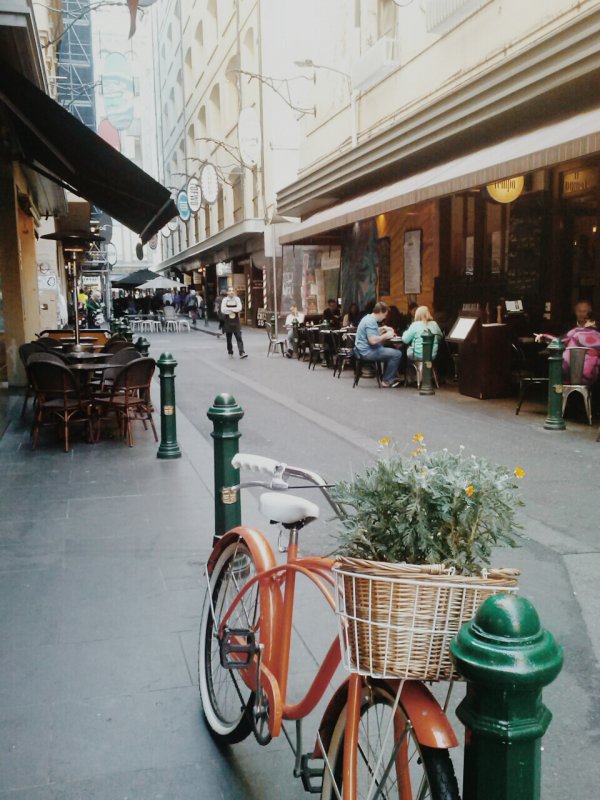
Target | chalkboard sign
(383,261)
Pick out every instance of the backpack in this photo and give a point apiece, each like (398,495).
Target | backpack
(192,301)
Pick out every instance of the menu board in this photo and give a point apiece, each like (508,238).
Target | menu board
(461,329)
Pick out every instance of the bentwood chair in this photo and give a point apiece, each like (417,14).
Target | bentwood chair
(25,352)
(58,397)
(344,354)
(275,341)
(128,398)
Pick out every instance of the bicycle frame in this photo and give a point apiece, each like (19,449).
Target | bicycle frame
(430,723)
(276,622)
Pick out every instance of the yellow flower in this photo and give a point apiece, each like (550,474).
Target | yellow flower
(418,451)
(470,490)
(519,472)
(418,438)
(384,441)
(424,472)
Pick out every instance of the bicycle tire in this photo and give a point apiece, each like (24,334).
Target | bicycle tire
(431,770)
(226,700)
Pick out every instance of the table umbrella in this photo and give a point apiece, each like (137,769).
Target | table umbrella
(134,278)
(161,283)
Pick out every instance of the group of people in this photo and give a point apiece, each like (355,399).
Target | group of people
(373,337)
(373,340)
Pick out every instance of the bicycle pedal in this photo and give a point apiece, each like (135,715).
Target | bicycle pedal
(237,647)
(312,777)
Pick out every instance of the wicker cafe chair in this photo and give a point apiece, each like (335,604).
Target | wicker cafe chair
(123,356)
(58,398)
(115,344)
(128,399)
(275,341)
(25,351)
(575,384)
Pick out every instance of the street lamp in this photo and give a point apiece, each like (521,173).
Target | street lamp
(310,64)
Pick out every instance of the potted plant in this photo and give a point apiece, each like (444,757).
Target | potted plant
(416,539)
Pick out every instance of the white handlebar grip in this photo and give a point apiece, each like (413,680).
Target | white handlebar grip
(256,463)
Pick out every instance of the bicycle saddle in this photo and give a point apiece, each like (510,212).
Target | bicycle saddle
(288,510)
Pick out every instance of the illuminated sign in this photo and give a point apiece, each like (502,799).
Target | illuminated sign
(580,181)
(506,190)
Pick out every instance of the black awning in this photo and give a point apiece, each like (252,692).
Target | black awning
(135,278)
(60,147)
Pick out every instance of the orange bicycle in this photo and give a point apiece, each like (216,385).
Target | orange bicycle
(378,738)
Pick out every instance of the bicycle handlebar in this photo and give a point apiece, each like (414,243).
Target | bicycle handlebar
(278,472)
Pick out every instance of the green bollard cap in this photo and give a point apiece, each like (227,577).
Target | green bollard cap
(225,405)
(506,646)
(166,358)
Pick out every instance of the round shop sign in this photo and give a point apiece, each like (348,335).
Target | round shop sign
(166,231)
(153,243)
(249,136)
(194,195)
(183,206)
(173,223)
(209,183)
(507,190)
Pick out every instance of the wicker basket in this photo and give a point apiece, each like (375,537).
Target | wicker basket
(397,620)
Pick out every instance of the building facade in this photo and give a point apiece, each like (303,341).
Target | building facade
(229,96)
(461,164)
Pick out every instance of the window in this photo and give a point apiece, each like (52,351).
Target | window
(386,19)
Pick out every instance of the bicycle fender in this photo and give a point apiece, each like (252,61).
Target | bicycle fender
(271,601)
(431,725)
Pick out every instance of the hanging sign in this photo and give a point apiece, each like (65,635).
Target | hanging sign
(209,183)
(194,195)
(507,190)
(183,206)
(153,243)
(580,181)
(173,223)
(249,136)
(166,231)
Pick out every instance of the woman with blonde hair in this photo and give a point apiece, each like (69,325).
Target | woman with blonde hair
(413,336)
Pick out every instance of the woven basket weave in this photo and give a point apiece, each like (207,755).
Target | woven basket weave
(397,620)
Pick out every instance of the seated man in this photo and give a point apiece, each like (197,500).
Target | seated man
(369,344)
(332,314)
(293,316)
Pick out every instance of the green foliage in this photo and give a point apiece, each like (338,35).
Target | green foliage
(429,508)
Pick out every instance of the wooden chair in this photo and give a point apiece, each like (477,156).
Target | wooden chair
(128,398)
(58,397)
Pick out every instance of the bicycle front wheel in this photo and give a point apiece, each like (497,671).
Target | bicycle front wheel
(391,764)
(226,700)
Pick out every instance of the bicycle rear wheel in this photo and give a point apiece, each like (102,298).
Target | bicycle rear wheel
(392,765)
(226,700)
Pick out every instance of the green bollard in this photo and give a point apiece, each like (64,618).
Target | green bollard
(507,658)
(225,414)
(168,448)
(143,346)
(554,420)
(295,336)
(427,364)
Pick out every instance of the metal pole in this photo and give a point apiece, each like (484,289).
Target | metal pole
(274,276)
(554,420)
(225,414)
(507,658)
(168,448)
(427,364)
(76,305)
